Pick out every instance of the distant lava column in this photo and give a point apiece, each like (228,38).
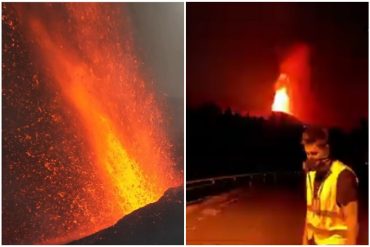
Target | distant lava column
(295,82)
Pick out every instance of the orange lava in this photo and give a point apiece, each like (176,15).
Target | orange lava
(281,100)
(88,52)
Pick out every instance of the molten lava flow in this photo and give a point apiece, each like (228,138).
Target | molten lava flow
(110,155)
(281,100)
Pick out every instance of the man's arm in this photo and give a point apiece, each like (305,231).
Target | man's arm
(347,199)
(350,212)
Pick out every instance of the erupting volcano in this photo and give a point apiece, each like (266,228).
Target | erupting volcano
(84,137)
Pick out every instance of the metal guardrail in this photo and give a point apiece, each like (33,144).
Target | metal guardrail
(199,183)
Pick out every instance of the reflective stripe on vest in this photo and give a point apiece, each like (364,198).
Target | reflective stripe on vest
(325,232)
(323,213)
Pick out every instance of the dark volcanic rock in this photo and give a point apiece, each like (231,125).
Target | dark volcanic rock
(161,222)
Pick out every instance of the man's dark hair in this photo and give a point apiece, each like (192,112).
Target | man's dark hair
(315,134)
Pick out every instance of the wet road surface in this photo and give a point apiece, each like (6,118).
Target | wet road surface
(267,215)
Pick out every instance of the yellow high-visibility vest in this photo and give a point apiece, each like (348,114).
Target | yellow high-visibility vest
(325,220)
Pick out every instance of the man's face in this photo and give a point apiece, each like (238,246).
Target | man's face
(313,151)
(315,154)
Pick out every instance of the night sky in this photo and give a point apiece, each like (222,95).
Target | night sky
(234,52)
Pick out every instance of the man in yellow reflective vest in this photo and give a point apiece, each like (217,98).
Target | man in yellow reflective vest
(331,193)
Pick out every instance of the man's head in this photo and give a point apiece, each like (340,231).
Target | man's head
(316,145)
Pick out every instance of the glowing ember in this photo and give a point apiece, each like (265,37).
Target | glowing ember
(281,99)
(87,144)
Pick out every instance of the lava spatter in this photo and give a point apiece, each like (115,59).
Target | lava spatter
(83,136)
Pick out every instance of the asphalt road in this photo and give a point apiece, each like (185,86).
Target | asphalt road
(267,215)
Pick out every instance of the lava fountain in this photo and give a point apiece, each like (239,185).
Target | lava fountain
(281,100)
(104,152)
(293,90)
